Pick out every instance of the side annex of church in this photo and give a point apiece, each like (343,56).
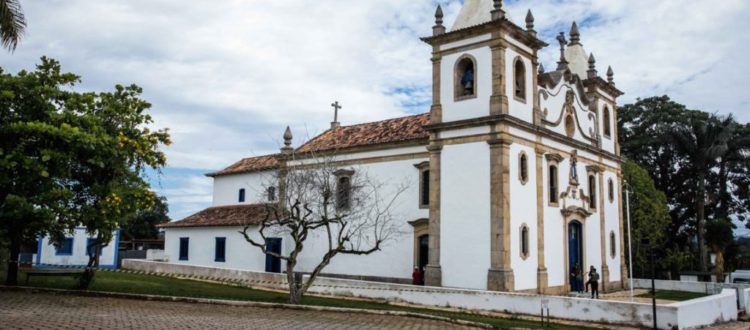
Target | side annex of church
(514,175)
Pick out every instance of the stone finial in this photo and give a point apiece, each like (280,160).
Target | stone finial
(575,36)
(438,29)
(541,68)
(498,12)
(562,64)
(530,23)
(610,76)
(287,149)
(591,73)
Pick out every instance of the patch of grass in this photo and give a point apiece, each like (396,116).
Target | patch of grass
(157,285)
(673,295)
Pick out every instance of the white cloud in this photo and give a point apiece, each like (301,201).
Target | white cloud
(228,76)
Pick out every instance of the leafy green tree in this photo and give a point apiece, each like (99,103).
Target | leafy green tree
(719,236)
(36,149)
(12,23)
(145,221)
(70,159)
(699,160)
(648,215)
(703,141)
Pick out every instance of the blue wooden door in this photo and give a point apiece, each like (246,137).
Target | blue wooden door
(575,248)
(273,264)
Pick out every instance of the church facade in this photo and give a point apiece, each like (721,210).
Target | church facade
(513,177)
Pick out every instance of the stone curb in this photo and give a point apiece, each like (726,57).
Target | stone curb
(244,304)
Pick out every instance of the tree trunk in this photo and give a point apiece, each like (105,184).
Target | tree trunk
(11,278)
(719,266)
(296,290)
(700,201)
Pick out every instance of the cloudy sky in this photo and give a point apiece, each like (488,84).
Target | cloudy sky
(228,76)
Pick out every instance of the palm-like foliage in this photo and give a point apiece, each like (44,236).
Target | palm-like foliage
(12,23)
(703,141)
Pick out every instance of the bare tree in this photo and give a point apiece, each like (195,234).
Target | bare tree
(351,211)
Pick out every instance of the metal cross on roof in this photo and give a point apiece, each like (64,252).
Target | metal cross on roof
(336,108)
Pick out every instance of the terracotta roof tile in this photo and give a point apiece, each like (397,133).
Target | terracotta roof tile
(251,164)
(401,129)
(230,215)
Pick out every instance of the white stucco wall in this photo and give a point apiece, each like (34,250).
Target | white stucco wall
(202,248)
(612,224)
(523,210)
(227,187)
(473,107)
(517,107)
(465,215)
(396,258)
(47,253)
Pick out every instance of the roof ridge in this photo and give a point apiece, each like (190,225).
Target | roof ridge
(377,121)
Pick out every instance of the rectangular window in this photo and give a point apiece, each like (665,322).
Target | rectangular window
(592,191)
(184,242)
(90,246)
(241,198)
(425,196)
(553,184)
(65,247)
(221,249)
(343,193)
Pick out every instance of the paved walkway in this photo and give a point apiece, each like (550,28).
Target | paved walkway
(20,310)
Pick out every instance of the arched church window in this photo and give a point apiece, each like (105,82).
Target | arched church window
(606,122)
(523,168)
(519,80)
(271,194)
(553,184)
(241,197)
(592,191)
(465,85)
(611,189)
(524,241)
(612,245)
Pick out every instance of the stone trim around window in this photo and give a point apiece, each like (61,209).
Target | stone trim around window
(553,159)
(341,191)
(524,241)
(458,74)
(524,92)
(523,167)
(423,167)
(611,190)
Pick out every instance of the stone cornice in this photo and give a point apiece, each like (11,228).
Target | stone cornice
(518,123)
(552,157)
(600,83)
(507,26)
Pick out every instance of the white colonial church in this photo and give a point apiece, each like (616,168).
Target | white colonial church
(514,175)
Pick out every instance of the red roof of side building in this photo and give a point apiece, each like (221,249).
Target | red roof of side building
(217,216)
(396,130)
(251,164)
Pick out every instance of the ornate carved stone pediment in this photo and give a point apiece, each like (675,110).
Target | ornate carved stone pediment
(577,211)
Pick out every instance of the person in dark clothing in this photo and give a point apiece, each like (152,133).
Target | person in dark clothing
(416,276)
(593,282)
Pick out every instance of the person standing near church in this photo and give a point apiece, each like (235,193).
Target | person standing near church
(416,276)
(594,283)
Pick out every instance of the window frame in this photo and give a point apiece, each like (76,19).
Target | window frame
(341,175)
(458,75)
(553,160)
(185,247)
(611,190)
(523,167)
(58,247)
(606,121)
(612,244)
(518,60)
(220,241)
(241,195)
(424,185)
(524,241)
(592,190)
(271,194)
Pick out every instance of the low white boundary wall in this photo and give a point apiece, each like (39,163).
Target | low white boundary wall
(693,286)
(689,314)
